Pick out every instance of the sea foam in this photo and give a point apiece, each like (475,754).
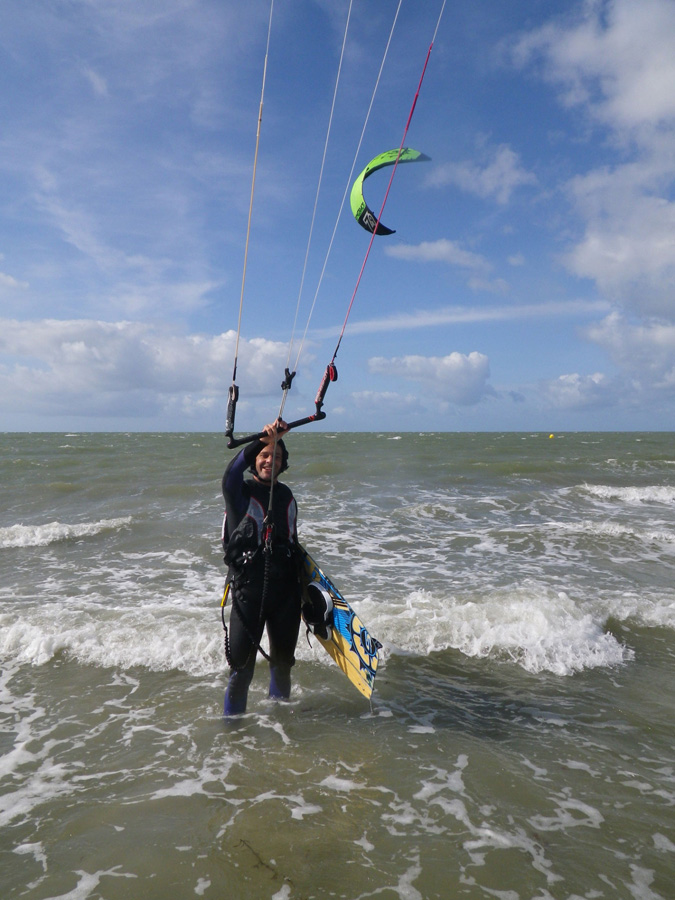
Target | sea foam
(42,535)
(522,625)
(633,496)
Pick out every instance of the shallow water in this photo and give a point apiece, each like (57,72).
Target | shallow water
(519,740)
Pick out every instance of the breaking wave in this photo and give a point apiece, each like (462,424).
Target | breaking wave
(54,532)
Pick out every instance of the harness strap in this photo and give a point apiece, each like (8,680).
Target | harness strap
(254,642)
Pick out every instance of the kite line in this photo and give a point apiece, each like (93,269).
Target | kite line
(347,188)
(331,364)
(330,373)
(233,393)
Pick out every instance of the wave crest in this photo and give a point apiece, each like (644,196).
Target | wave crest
(633,496)
(53,532)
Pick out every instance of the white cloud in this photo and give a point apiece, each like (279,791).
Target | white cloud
(118,368)
(7,281)
(646,352)
(458,378)
(496,178)
(491,285)
(443,250)
(616,62)
(384,401)
(628,247)
(576,391)
(453,315)
(643,353)
(617,59)
(115,197)
(97,82)
(452,254)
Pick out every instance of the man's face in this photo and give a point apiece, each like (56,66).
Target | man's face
(268,464)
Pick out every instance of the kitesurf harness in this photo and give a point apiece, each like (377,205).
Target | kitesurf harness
(257,532)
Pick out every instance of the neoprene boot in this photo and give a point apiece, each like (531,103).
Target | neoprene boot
(236,694)
(280,682)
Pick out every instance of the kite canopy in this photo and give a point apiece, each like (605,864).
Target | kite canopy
(362,213)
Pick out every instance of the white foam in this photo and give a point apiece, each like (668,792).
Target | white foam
(569,814)
(642,881)
(527,625)
(445,790)
(661,842)
(37,851)
(46,780)
(633,496)
(52,532)
(303,809)
(616,530)
(88,881)
(404,887)
(445,780)
(344,785)
(158,636)
(284,893)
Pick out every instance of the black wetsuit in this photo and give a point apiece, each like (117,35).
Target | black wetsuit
(264,589)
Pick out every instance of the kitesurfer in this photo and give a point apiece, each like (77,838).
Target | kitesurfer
(260,542)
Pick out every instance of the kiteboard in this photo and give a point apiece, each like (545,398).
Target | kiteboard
(348,643)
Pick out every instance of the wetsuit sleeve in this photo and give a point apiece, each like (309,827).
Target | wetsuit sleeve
(236,501)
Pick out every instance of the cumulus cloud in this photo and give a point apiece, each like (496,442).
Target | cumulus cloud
(495,177)
(646,351)
(616,63)
(576,391)
(384,401)
(644,354)
(617,59)
(628,247)
(458,378)
(118,368)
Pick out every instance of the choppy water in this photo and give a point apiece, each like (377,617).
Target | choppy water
(520,739)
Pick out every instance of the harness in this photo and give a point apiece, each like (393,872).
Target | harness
(256,533)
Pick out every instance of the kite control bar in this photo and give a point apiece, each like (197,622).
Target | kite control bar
(329,375)
(233,442)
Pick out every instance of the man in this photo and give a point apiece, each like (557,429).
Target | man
(260,542)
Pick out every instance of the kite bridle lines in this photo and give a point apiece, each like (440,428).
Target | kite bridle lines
(330,373)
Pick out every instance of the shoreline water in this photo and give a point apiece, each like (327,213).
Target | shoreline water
(519,740)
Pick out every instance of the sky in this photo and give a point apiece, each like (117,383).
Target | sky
(529,284)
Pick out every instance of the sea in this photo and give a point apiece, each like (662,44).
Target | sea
(519,743)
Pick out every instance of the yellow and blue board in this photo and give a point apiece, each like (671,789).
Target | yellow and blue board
(350,645)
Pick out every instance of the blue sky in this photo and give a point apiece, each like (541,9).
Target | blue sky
(530,281)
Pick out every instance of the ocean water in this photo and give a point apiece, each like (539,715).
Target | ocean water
(519,744)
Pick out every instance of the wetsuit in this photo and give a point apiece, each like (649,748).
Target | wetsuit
(264,589)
